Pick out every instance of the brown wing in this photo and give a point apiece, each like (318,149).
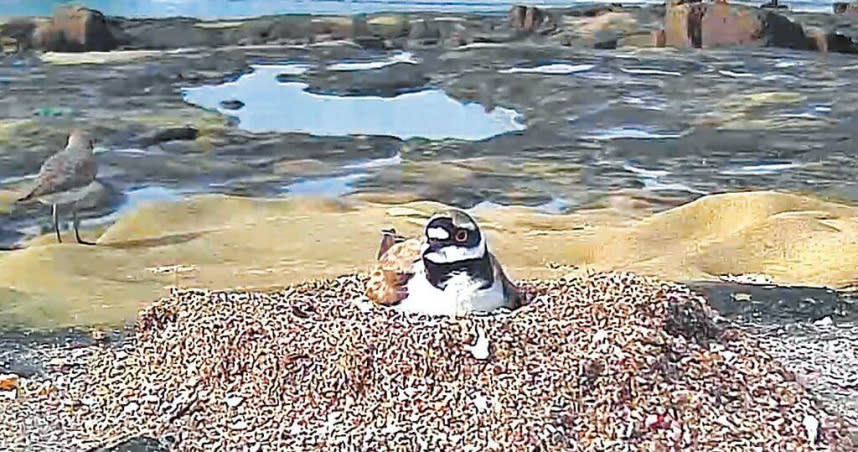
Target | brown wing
(513,295)
(64,171)
(388,278)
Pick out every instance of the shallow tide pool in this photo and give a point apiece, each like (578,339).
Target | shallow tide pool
(273,106)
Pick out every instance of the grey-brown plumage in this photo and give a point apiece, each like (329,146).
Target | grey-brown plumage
(64,179)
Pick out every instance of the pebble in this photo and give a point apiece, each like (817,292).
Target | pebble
(823,322)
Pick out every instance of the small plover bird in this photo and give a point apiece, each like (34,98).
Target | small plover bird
(450,271)
(65,178)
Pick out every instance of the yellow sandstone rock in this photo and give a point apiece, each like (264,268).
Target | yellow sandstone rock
(220,242)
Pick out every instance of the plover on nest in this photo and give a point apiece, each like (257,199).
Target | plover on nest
(449,271)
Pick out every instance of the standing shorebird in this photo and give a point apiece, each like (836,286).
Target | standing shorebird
(65,178)
(449,272)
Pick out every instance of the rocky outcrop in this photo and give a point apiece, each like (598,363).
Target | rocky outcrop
(708,25)
(18,33)
(846,9)
(74,29)
(527,19)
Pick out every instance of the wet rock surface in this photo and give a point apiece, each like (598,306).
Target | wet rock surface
(73,29)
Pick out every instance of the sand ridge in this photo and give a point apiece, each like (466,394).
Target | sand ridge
(218,242)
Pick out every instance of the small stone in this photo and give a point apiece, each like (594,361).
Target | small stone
(742,296)
(231,104)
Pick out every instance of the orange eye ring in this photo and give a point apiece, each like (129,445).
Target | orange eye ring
(461,235)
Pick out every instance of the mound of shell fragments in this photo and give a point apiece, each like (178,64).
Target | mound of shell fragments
(604,362)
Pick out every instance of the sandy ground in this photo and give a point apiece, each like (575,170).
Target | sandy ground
(221,242)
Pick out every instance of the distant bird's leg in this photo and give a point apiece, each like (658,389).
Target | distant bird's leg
(55,218)
(76,222)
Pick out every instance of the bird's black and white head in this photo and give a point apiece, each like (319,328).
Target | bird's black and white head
(455,245)
(452,237)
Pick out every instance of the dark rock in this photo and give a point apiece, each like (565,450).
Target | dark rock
(232,104)
(170,134)
(525,19)
(138,444)
(20,31)
(601,9)
(606,39)
(831,42)
(283,78)
(773,4)
(776,305)
(371,42)
(75,29)
(387,81)
(779,31)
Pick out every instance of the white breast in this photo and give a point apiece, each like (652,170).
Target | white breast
(70,196)
(461,294)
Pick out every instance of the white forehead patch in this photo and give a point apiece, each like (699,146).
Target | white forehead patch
(437,233)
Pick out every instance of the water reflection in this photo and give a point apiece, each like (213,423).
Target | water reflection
(290,107)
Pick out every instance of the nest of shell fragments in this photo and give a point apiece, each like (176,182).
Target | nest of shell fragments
(603,362)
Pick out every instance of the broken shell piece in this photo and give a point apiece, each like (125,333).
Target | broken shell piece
(239,425)
(825,321)
(8,394)
(481,402)
(812,425)
(131,408)
(362,305)
(8,381)
(480,349)
(233,401)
